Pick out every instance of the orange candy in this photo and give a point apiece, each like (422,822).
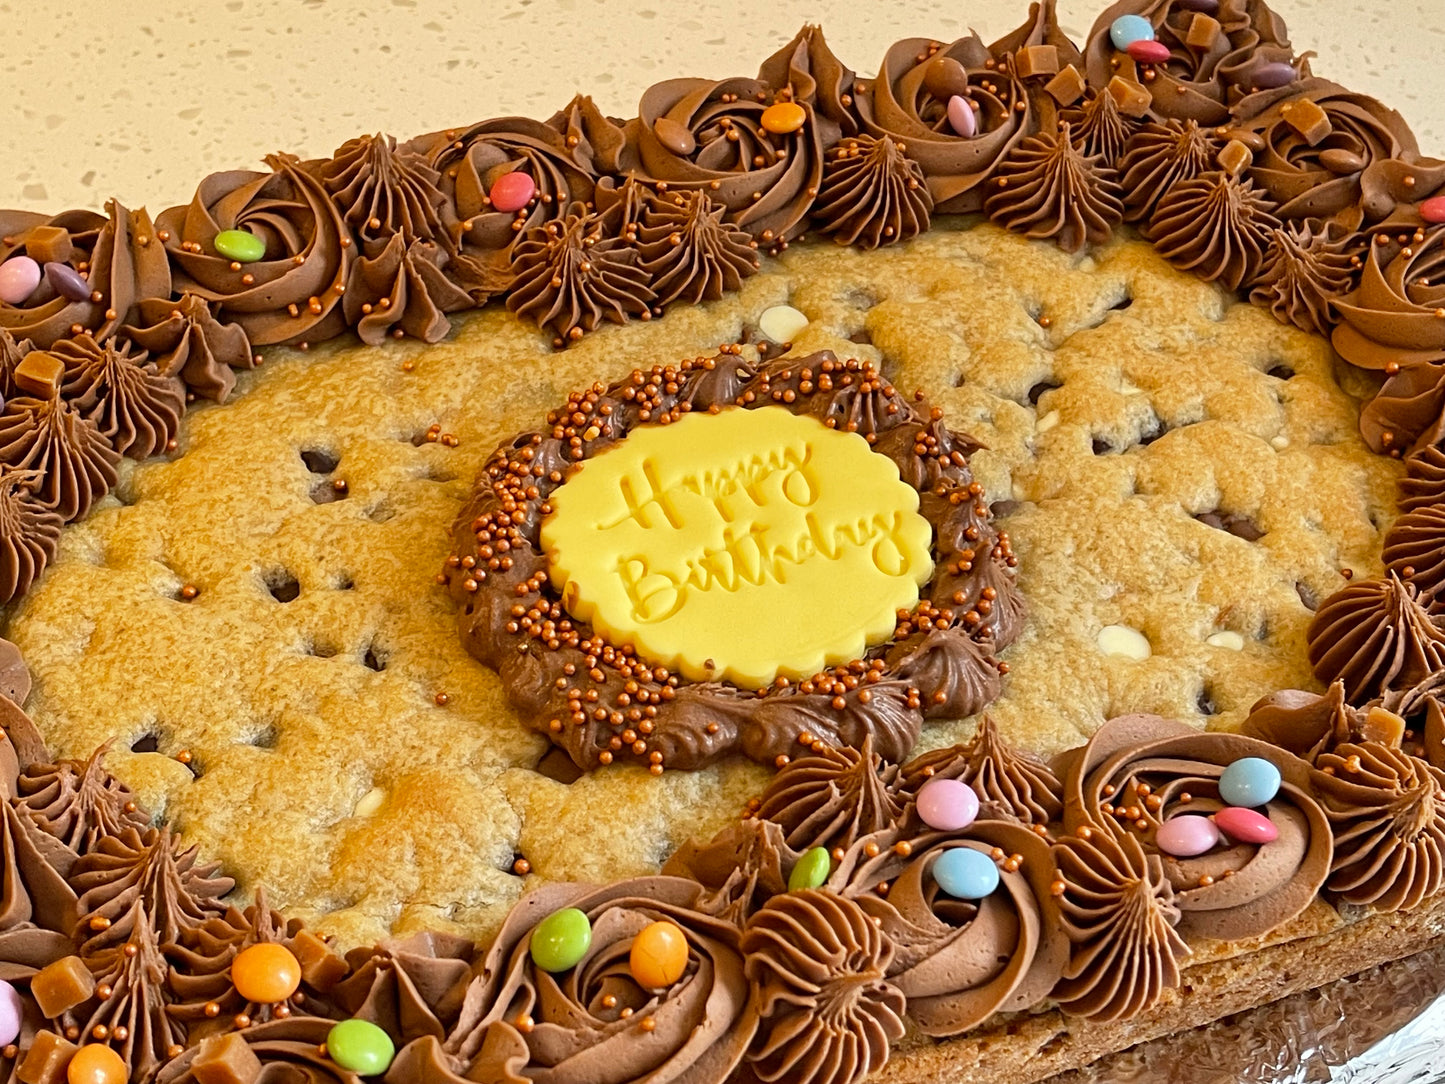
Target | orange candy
(96,1064)
(265,973)
(780,118)
(659,955)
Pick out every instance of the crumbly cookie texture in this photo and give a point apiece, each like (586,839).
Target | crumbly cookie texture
(347,753)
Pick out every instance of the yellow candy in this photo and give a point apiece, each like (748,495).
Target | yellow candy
(739,545)
(659,955)
(780,118)
(265,973)
(96,1064)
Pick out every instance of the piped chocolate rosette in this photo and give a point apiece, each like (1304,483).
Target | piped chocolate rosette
(602,700)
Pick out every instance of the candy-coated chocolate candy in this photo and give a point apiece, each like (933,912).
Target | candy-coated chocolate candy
(659,955)
(512,191)
(1269,76)
(1249,781)
(561,940)
(19,276)
(677,138)
(947,804)
(1148,52)
(945,77)
(1186,836)
(243,246)
(96,1063)
(1433,210)
(961,117)
(780,118)
(811,871)
(965,874)
(266,973)
(1127,29)
(360,1047)
(1338,160)
(1245,825)
(67,281)
(10,1013)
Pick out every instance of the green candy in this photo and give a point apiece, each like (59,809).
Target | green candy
(561,940)
(811,871)
(240,245)
(360,1047)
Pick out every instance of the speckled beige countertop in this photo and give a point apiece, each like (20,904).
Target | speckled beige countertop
(139,99)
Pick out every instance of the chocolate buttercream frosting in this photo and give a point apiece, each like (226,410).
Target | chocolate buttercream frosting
(1304,723)
(1048,188)
(1099,129)
(1375,635)
(470,163)
(1307,267)
(1317,173)
(52,437)
(696,722)
(402,290)
(1406,413)
(29,532)
(1414,548)
(1119,913)
(292,294)
(832,797)
(958,962)
(136,405)
(117,254)
(186,340)
(1424,482)
(594,1022)
(818,965)
(1388,811)
(78,802)
(688,251)
(290,1051)
(203,996)
(1160,156)
(872,193)
(740,869)
(1010,783)
(1215,225)
(1389,321)
(409,987)
(11,354)
(1199,81)
(14,675)
(569,276)
(908,102)
(1139,771)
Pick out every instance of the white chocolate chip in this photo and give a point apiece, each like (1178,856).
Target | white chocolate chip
(1122,642)
(370,802)
(1128,387)
(1280,442)
(1047,422)
(1228,639)
(1017,491)
(782,323)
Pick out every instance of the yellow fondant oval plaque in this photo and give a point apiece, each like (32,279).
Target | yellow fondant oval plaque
(739,546)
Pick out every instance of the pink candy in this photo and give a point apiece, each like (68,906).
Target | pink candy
(961,118)
(1186,836)
(947,805)
(1148,52)
(1245,825)
(512,191)
(19,276)
(1433,210)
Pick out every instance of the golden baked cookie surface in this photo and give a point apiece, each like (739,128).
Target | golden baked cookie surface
(346,752)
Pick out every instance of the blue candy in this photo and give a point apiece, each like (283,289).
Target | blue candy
(1127,29)
(1249,782)
(965,874)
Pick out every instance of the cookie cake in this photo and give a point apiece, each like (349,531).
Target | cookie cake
(832,577)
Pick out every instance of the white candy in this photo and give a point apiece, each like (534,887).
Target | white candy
(370,802)
(1047,422)
(1122,642)
(1280,442)
(782,323)
(1228,639)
